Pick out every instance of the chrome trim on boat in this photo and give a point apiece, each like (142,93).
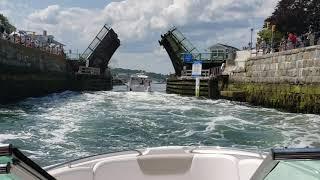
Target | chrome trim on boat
(288,154)
(265,168)
(305,153)
(6,150)
(5,168)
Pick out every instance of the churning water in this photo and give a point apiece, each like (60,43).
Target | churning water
(70,125)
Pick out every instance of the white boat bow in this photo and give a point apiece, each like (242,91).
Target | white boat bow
(139,83)
(170,163)
(167,163)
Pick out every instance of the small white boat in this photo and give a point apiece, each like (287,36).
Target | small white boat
(139,83)
(172,163)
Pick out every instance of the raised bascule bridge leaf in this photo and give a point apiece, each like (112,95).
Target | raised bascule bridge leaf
(101,49)
(175,43)
(178,47)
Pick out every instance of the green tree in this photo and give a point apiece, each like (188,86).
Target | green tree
(266,35)
(290,16)
(6,24)
(314,15)
(296,16)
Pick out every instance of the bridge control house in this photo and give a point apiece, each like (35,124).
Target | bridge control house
(224,52)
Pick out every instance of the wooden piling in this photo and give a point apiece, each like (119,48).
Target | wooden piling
(213,88)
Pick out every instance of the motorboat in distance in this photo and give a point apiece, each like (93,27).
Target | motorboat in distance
(139,83)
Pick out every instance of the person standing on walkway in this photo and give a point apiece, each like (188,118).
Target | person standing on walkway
(299,42)
(292,40)
(311,37)
(1,30)
(264,46)
(283,44)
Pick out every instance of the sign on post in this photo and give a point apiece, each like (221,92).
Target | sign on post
(196,68)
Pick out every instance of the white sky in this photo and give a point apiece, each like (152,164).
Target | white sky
(139,24)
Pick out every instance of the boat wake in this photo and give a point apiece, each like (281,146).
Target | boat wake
(70,125)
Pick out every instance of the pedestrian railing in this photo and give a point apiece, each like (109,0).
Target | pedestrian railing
(29,42)
(306,40)
(216,71)
(204,73)
(207,57)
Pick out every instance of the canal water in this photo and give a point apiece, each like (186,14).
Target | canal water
(69,125)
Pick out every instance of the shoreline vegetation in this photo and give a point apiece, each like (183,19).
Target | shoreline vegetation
(128,72)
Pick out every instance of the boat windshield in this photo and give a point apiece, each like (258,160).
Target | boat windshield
(4,160)
(290,164)
(14,165)
(295,170)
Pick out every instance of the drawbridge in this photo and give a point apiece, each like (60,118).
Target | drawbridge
(182,53)
(176,44)
(101,49)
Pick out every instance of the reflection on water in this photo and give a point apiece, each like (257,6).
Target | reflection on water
(69,125)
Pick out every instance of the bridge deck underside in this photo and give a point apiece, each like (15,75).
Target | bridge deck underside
(174,50)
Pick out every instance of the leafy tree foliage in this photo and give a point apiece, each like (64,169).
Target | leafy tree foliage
(6,24)
(296,16)
(314,15)
(266,35)
(155,76)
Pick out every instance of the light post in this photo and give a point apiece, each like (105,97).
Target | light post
(251,45)
(273,28)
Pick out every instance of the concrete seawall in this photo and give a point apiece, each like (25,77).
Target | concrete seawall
(29,59)
(29,72)
(287,80)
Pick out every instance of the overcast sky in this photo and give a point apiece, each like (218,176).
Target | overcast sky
(139,24)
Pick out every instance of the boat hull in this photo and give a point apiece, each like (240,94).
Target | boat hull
(138,88)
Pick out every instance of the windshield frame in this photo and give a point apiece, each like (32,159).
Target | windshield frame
(278,155)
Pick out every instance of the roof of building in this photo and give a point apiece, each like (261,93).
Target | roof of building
(45,38)
(224,45)
(58,43)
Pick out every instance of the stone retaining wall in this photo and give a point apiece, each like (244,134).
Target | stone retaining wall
(298,66)
(287,80)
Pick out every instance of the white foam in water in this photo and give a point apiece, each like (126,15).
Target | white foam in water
(71,125)
(228,120)
(64,118)
(303,130)
(5,137)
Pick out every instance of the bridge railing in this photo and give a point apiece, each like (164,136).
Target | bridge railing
(96,41)
(204,57)
(212,72)
(204,73)
(216,71)
(183,41)
(88,70)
